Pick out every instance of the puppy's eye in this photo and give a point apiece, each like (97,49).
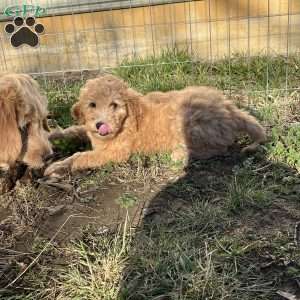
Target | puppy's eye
(92,104)
(114,105)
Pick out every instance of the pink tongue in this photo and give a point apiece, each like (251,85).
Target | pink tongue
(104,129)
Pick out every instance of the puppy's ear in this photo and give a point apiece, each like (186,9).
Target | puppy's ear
(77,113)
(11,142)
(131,98)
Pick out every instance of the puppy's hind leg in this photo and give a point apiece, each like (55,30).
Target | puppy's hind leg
(248,124)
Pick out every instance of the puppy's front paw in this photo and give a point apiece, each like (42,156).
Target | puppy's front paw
(4,168)
(58,169)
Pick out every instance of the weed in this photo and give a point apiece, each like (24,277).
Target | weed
(60,100)
(285,145)
(127,200)
(95,268)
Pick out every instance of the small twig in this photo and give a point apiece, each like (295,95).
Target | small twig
(255,287)
(89,191)
(297,234)
(263,168)
(62,186)
(12,250)
(287,295)
(222,247)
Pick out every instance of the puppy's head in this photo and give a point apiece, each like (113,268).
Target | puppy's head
(103,106)
(34,114)
(22,105)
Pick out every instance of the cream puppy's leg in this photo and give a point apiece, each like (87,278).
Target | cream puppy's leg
(85,160)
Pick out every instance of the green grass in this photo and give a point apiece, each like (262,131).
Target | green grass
(246,190)
(285,145)
(175,70)
(61,97)
(95,270)
(221,229)
(127,200)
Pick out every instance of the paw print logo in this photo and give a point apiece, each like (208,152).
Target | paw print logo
(24,32)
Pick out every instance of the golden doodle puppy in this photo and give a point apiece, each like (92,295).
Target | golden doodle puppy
(23,122)
(194,122)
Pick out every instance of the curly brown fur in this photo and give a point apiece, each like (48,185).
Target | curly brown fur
(194,122)
(23,108)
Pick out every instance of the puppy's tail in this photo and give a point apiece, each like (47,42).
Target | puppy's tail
(11,142)
(248,124)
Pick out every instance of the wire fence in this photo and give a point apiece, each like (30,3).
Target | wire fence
(90,36)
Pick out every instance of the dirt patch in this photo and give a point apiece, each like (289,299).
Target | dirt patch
(61,218)
(281,216)
(102,211)
(42,211)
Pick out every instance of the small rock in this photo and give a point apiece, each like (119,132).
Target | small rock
(102,230)
(55,210)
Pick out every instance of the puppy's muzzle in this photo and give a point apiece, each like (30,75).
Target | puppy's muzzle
(103,128)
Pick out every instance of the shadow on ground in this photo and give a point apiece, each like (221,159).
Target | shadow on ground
(224,230)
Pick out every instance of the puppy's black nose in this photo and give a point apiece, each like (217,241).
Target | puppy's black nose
(98,125)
